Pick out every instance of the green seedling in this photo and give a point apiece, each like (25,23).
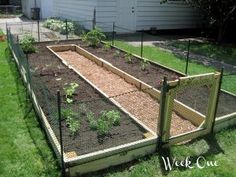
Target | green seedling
(74,127)
(92,122)
(117,53)
(103,127)
(128,57)
(106,47)
(144,64)
(112,117)
(70,90)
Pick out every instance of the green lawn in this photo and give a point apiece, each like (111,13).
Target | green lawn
(24,151)
(226,53)
(172,61)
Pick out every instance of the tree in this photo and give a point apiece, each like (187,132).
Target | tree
(218,13)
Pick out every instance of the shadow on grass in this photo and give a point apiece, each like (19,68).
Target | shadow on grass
(30,117)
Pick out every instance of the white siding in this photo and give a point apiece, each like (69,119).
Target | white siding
(106,14)
(78,10)
(27,5)
(175,15)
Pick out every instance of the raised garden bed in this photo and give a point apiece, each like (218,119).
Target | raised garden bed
(83,154)
(195,98)
(130,136)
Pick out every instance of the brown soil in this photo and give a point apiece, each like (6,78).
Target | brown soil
(138,103)
(50,75)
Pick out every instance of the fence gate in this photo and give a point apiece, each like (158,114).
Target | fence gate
(207,86)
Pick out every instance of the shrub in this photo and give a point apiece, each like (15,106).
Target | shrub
(93,37)
(27,43)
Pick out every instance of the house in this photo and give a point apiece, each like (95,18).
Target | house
(134,15)
(46,7)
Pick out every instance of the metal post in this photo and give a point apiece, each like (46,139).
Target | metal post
(142,35)
(17,39)
(66,29)
(162,112)
(113,33)
(187,60)
(94,18)
(38,31)
(63,172)
(217,100)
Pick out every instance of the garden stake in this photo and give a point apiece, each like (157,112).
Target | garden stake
(63,173)
(142,34)
(66,29)
(94,18)
(38,31)
(187,61)
(113,33)
(217,100)
(162,110)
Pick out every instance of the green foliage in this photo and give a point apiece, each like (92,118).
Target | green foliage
(70,117)
(55,24)
(103,127)
(105,121)
(112,117)
(106,47)
(93,37)
(129,58)
(92,122)
(70,90)
(27,43)
(144,64)
(74,126)
(117,53)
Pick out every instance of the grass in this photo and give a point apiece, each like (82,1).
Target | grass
(226,53)
(172,61)
(24,150)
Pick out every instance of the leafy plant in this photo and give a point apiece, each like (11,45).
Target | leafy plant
(83,108)
(92,122)
(71,122)
(27,43)
(93,37)
(103,127)
(117,53)
(112,117)
(144,64)
(74,126)
(106,47)
(70,90)
(129,57)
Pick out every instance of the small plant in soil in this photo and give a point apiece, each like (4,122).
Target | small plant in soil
(103,127)
(93,37)
(92,121)
(70,90)
(112,117)
(74,126)
(117,53)
(144,64)
(128,58)
(70,117)
(27,44)
(106,47)
(104,123)
(83,108)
